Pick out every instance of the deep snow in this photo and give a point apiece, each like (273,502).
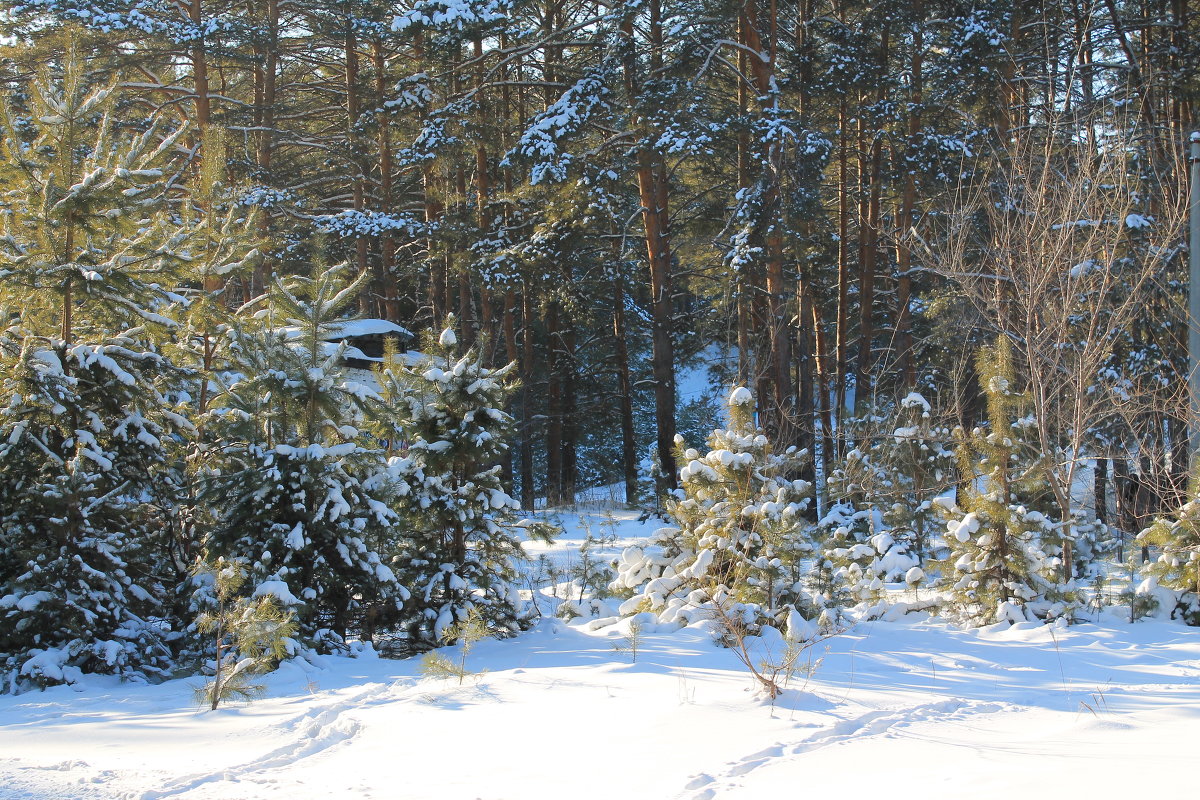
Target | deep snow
(914,706)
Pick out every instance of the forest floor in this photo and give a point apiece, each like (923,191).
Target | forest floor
(565,711)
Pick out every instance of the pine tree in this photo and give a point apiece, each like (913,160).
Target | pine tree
(877,530)
(850,535)
(83,475)
(917,456)
(1177,537)
(459,552)
(737,538)
(250,636)
(300,500)
(221,246)
(1006,548)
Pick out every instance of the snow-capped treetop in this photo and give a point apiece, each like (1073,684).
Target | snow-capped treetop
(541,143)
(448,15)
(740,396)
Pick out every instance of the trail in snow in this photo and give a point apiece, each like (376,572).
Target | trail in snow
(314,732)
(705,786)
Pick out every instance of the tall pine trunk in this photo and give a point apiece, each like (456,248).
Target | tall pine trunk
(624,390)
(652,194)
(387,244)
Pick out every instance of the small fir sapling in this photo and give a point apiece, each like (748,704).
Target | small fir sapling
(1092,542)
(772,671)
(591,576)
(649,477)
(1142,598)
(631,641)
(610,524)
(799,639)
(250,636)
(736,628)
(1099,588)
(917,454)
(556,577)
(539,576)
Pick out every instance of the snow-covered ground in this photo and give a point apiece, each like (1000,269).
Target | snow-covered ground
(914,707)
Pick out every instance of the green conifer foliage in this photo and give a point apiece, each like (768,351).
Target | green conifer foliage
(300,500)
(1177,538)
(459,552)
(84,242)
(250,635)
(916,454)
(737,538)
(878,527)
(81,467)
(1005,546)
(850,536)
(467,632)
